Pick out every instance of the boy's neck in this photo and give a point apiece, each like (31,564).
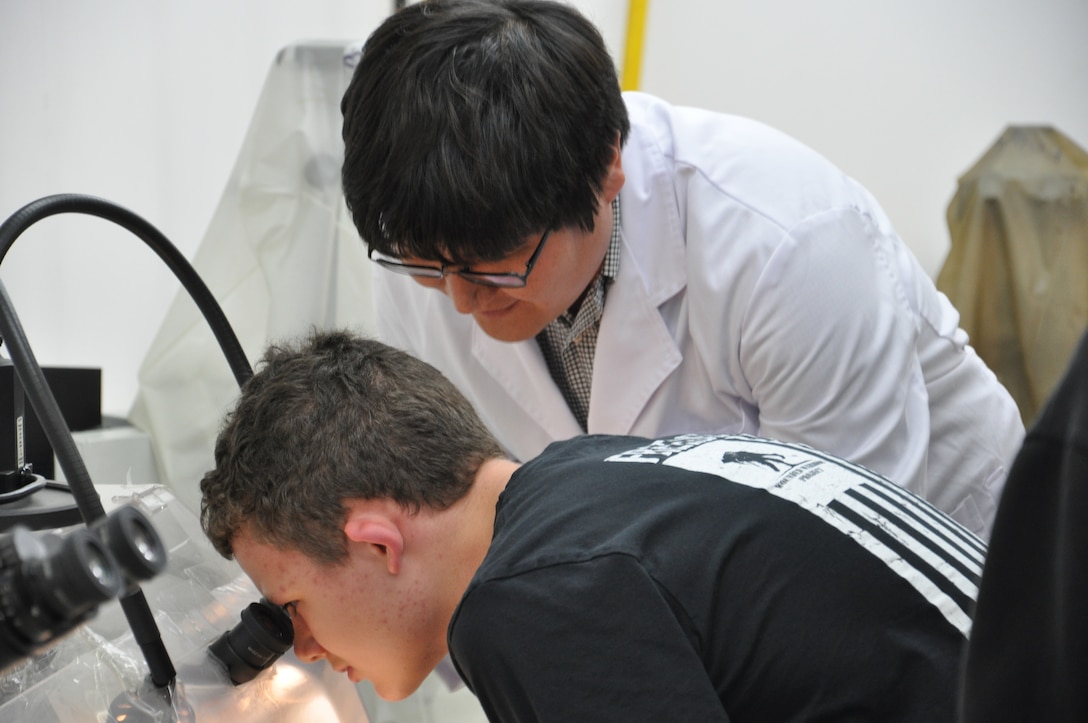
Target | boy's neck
(458,538)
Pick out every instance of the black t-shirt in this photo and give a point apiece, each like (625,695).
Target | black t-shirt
(705,578)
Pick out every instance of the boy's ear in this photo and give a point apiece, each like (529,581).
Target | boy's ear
(379,533)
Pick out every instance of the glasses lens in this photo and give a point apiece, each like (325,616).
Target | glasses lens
(505,281)
(430,272)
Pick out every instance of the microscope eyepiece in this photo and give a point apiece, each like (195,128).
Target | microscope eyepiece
(134,544)
(50,583)
(254,644)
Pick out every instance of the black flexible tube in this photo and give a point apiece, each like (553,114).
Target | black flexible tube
(37,390)
(34,211)
(134,604)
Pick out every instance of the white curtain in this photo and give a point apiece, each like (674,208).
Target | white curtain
(280,256)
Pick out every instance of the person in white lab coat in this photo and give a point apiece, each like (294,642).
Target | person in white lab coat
(610,263)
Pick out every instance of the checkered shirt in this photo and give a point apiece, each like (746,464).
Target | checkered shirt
(569,342)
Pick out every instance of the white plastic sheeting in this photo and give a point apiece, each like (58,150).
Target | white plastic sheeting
(280,256)
(98,673)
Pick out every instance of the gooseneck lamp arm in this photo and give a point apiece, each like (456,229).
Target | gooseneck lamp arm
(134,604)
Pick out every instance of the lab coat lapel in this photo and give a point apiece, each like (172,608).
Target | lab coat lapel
(635,354)
(522,375)
(635,351)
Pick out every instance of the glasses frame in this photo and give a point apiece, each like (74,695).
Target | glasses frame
(499,279)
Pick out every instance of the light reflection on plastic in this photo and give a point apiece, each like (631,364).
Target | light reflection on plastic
(286,678)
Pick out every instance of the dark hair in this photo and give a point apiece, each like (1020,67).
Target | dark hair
(470,125)
(333,418)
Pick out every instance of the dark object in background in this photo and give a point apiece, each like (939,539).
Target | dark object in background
(1027,657)
(78,392)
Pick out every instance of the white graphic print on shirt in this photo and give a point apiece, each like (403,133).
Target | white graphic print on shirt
(938,557)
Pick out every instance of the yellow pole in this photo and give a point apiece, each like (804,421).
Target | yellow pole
(632,54)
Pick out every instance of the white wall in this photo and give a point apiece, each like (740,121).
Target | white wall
(904,95)
(146,104)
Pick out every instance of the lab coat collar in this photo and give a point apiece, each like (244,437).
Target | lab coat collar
(636,351)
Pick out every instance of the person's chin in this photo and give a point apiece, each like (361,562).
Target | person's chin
(398,690)
(507,329)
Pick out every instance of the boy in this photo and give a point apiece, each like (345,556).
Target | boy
(698,577)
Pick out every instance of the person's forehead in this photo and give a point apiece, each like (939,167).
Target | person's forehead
(274,571)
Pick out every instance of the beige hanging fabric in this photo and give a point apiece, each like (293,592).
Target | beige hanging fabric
(1018,267)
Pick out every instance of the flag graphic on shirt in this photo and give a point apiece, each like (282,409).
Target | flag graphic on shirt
(934,554)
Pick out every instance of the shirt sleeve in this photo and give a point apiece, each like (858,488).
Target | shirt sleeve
(591,641)
(829,347)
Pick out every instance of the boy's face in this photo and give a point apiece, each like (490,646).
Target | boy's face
(370,625)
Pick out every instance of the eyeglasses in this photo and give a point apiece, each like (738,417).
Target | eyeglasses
(506,279)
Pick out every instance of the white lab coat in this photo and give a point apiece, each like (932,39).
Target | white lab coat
(759,291)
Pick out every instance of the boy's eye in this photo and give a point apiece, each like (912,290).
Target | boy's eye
(291,608)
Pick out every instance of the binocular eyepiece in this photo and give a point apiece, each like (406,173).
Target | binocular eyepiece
(264,634)
(50,583)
